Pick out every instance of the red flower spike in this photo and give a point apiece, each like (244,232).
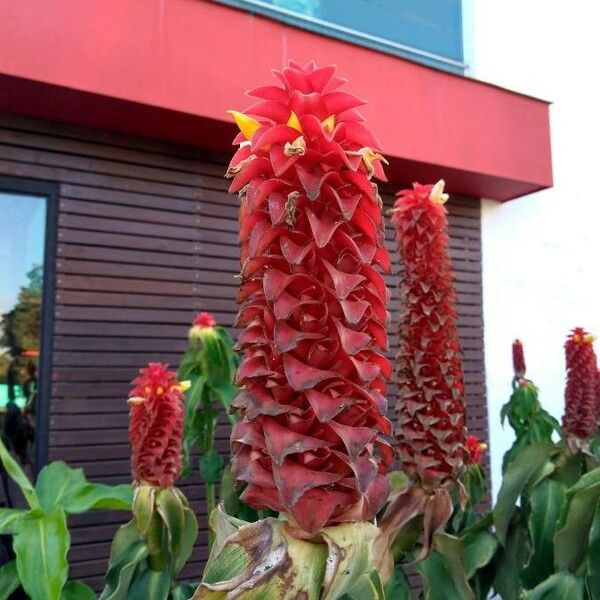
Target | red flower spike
(431,435)
(314,307)
(156,426)
(475,450)
(580,418)
(431,406)
(518,359)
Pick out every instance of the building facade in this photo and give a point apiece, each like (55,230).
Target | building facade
(112,119)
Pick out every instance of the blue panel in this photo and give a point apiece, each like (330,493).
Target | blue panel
(428,31)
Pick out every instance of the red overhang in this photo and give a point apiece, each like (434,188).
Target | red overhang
(171,69)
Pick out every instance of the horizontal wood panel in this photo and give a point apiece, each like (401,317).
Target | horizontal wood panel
(147,236)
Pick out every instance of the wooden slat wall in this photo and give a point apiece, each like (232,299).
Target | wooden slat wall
(147,237)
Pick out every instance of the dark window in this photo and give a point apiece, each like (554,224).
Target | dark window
(427,31)
(27,210)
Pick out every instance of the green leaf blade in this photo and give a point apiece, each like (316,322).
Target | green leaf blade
(525,466)
(41,545)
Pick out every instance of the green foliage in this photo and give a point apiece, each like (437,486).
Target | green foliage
(531,423)
(77,590)
(444,570)
(148,553)
(547,503)
(41,538)
(9,579)
(398,586)
(210,364)
(560,586)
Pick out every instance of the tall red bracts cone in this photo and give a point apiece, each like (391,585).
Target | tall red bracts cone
(311,439)
(580,417)
(431,409)
(431,428)
(156,426)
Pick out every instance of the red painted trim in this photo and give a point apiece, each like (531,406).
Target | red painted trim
(184,62)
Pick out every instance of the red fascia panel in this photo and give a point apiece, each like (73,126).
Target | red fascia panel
(171,69)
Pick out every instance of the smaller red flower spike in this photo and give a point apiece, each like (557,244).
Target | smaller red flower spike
(475,449)
(156,426)
(204,319)
(579,420)
(431,409)
(518,359)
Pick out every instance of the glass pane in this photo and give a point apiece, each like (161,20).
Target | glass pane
(22,235)
(428,31)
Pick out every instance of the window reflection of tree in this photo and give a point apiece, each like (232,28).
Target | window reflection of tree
(20,336)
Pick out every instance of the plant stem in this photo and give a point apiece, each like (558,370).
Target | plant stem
(210,506)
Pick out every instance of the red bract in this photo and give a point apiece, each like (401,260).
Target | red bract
(156,426)
(431,408)
(310,441)
(475,449)
(579,419)
(518,359)
(204,319)
(598,397)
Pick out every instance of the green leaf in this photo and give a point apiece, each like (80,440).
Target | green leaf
(547,502)
(510,561)
(474,482)
(368,587)
(560,586)
(170,508)
(18,476)
(188,539)
(190,365)
(211,466)
(77,590)
(351,546)
(525,467)
(56,482)
(443,571)
(184,591)
(9,519)
(154,585)
(398,479)
(593,556)
(41,545)
(128,554)
(227,393)
(397,587)
(143,507)
(194,423)
(9,579)
(99,496)
(570,543)
(480,547)
(283,561)
(585,481)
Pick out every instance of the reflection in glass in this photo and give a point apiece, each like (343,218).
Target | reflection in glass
(22,236)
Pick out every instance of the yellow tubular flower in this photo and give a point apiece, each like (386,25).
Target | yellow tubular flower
(248,125)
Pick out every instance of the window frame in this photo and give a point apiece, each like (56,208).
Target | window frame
(49,190)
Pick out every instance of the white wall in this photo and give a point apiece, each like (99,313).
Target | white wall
(541,253)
